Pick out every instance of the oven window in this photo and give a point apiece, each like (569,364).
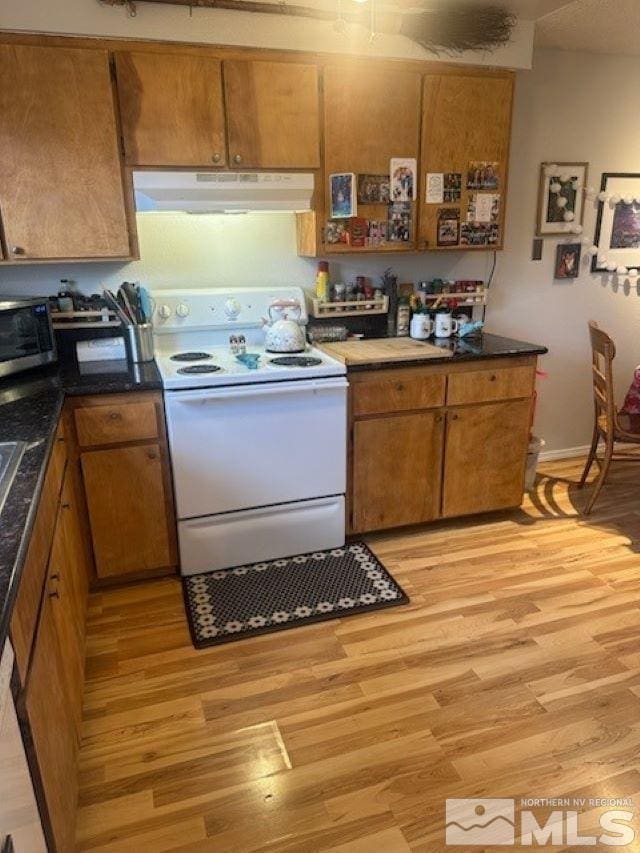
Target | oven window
(23,332)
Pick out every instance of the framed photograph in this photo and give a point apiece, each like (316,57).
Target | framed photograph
(618,223)
(568,260)
(343,195)
(560,197)
(374,189)
(403,179)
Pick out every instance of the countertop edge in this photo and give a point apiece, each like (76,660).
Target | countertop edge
(66,387)
(25,539)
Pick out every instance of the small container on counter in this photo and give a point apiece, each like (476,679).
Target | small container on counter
(403,318)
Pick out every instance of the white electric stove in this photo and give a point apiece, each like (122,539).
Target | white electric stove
(258,455)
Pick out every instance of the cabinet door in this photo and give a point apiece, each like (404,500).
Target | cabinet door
(171,109)
(272,114)
(370,116)
(397,470)
(464,119)
(61,190)
(128,510)
(485,457)
(51,719)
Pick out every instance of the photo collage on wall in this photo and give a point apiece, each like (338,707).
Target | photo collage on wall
(396,191)
(475,221)
(561,195)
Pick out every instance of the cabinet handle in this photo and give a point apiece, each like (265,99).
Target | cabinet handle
(216,157)
(152,454)
(54,594)
(493,377)
(438,419)
(55,577)
(237,158)
(17,250)
(115,416)
(65,506)
(399,387)
(454,417)
(60,438)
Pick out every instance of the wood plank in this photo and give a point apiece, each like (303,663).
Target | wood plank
(264,102)
(383,350)
(59,146)
(513,672)
(171,107)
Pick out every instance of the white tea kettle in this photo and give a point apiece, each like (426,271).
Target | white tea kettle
(284,334)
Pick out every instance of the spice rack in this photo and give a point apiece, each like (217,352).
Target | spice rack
(350,308)
(84,319)
(476,297)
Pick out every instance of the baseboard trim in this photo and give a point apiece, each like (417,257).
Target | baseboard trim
(565,453)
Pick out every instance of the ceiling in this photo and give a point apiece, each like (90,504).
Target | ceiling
(596,26)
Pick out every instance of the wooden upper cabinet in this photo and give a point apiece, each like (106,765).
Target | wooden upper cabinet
(465,118)
(370,115)
(272,114)
(171,109)
(61,188)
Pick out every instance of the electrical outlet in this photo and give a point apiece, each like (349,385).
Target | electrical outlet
(536,252)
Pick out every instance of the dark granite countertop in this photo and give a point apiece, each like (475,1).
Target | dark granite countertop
(473,348)
(30,406)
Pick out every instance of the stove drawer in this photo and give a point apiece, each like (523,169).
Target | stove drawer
(258,535)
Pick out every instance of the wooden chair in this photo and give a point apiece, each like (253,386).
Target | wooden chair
(609,425)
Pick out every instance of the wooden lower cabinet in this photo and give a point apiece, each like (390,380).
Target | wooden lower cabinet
(440,459)
(52,700)
(388,454)
(127,502)
(486,451)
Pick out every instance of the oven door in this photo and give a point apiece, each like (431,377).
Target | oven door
(26,335)
(250,446)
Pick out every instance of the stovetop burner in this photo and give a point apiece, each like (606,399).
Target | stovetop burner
(296,361)
(199,368)
(190,356)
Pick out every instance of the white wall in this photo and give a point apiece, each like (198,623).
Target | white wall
(572,107)
(217,26)
(179,250)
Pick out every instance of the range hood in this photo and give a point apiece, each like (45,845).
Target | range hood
(215,192)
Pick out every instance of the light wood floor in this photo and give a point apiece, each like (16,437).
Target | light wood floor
(515,671)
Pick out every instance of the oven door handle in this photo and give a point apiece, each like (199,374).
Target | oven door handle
(271,389)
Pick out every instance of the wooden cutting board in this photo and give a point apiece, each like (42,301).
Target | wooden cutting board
(383,350)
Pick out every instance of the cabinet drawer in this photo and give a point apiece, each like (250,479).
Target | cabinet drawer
(398,392)
(482,386)
(115,424)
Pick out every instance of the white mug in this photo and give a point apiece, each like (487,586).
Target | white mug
(445,325)
(421,326)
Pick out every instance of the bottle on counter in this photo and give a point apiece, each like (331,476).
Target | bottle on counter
(322,281)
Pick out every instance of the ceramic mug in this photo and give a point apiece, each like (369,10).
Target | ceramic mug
(445,325)
(421,327)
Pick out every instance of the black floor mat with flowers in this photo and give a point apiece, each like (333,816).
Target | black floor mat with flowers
(236,603)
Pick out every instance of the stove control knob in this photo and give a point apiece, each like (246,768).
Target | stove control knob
(164,311)
(232,308)
(182,310)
